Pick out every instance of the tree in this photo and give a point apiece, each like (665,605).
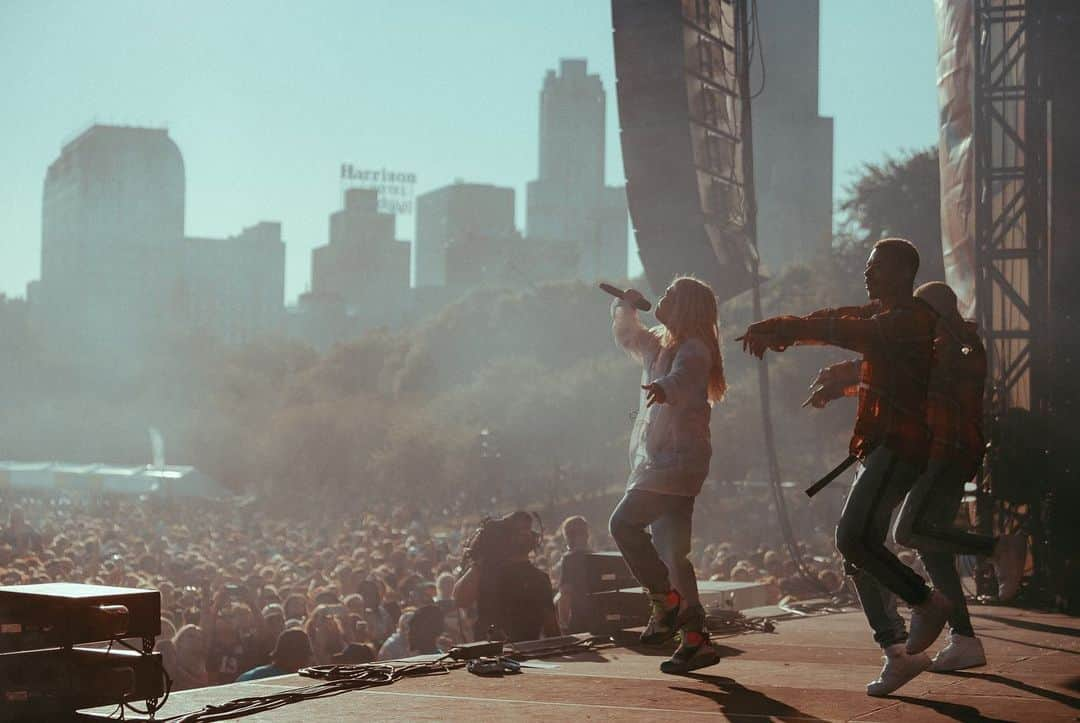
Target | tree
(900,196)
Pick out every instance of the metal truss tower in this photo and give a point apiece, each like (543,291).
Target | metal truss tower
(1011,201)
(1012,290)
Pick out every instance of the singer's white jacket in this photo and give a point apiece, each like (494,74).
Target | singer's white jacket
(669,445)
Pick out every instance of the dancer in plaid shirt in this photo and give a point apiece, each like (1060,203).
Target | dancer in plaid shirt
(895,334)
(925,522)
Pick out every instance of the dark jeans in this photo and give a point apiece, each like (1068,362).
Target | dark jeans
(879,487)
(926,523)
(667,564)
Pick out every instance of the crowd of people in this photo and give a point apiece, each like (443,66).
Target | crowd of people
(246,593)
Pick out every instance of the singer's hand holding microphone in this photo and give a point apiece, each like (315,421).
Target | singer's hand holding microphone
(654,393)
(631,296)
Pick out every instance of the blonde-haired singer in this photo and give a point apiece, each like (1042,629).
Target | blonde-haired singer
(682,377)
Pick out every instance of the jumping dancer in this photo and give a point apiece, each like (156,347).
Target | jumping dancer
(926,518)
(895,335)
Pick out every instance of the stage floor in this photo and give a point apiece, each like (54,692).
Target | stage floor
(810,669)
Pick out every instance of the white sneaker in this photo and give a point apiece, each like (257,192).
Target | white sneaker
(900,667)
(962,651)
(1008,561)
(927,621)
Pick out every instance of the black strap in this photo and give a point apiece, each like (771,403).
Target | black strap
(836,472)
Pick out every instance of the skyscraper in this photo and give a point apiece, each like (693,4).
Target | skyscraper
(793,145)
(234,288)
(112,223)
(568,204)
(363,265)
(117,271)
(462,231)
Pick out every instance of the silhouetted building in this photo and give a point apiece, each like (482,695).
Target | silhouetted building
(568,204)
(793,145)
(117,272)
(234,288)
(363,265)
(465,235)
(112,225)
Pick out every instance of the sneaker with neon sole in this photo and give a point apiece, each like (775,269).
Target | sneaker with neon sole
(694,652)
(664,618)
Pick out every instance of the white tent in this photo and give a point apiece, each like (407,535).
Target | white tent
(167,480)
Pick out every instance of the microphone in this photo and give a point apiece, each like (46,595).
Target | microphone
(643,305)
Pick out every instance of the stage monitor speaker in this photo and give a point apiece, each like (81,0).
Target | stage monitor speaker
(52,684)
(607,571)
(619,610)
(65,614)
(680,118)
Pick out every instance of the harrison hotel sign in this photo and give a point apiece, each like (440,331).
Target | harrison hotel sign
(395,187)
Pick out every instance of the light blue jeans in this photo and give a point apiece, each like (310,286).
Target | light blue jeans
(665,564)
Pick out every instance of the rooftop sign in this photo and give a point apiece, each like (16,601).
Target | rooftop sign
(396,188)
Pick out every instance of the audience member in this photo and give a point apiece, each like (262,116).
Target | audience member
(291,652)
(576,613)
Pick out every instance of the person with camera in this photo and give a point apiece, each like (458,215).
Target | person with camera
(513,598)
(325,632)
(232,632)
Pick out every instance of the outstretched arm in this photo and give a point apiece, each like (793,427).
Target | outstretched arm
(853,332)
(629,332)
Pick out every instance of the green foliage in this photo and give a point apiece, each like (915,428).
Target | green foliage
(898,197)
(399,415)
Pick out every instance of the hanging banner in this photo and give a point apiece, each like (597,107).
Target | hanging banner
(955,77)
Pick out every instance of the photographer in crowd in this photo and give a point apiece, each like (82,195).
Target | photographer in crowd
(512,597)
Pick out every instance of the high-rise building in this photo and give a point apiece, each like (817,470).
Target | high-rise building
(234,288)
(464,234)
(112,225)
(116,269)
(793,144)
(363,265)
(568,203)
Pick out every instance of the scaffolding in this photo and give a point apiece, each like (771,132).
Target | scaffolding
(1011,256)
(1011,202)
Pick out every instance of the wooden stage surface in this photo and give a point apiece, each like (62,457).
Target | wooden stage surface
(810,669)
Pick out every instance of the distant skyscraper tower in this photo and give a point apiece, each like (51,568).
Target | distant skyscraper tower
(111,226)
(568,203)
(460,226)
(793,145)
(363,266)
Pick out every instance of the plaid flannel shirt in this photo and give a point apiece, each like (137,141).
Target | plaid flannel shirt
(955,396)
(897,349)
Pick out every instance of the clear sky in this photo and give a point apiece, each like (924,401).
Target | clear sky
(267,98)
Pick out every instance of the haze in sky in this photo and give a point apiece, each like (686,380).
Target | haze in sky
(267,99)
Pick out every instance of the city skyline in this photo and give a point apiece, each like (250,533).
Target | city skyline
(264,135)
